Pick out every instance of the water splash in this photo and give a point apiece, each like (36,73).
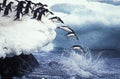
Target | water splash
(83,65)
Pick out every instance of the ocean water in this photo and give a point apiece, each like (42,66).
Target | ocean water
(97,26)
(68,64)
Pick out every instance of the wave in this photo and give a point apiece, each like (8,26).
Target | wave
(66,62)
(24,36)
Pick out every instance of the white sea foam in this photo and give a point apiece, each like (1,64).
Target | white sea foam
(82,65)
(24,36)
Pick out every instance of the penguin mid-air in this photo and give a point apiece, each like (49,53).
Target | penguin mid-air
(66,28)
(56,19)
(78,47)
(48,13)
(72,34)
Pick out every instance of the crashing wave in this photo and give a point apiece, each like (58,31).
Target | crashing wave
(24,36)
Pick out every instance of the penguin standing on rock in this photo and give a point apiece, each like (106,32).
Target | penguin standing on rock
(8,8)
(42,12)
(37,5)
(36,11)
(4,3)
(28,7)
(19,9)
(1,7)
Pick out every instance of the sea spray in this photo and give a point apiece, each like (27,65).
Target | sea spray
(24,36)
(81,65)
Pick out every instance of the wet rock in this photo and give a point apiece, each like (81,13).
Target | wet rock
(17,66)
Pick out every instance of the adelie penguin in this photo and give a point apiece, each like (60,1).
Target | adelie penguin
(4,3)
(48,13)
(19,9)
(28,7)
(78,47)
(8,8)
(66,28)
(40,16)
(36,11)
(37,5)
(1,9)
(42,12)
(72,34)
(56,19)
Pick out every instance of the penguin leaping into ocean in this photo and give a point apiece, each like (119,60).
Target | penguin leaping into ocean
(66,28)
(78,47)
(70,31)
(49,13)
(72,34)
(56,19)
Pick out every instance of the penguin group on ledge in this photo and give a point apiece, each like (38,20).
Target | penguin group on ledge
(24,8)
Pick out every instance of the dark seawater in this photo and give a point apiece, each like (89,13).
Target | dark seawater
(68,64)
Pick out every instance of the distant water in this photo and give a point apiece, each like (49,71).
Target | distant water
(68,64)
